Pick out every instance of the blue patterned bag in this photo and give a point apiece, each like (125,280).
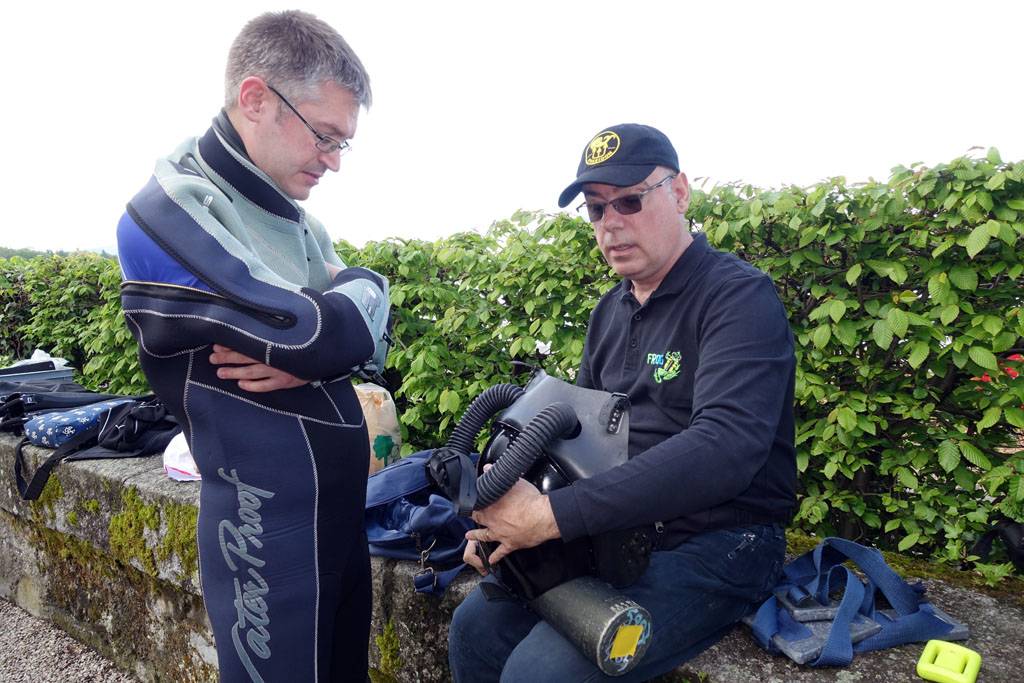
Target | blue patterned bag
(52,430)
(122,427)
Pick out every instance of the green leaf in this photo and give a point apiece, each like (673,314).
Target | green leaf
(443,400)
(801,461)
(965,479)
(846,333)
(1014,416)
(989,418)
(947,244)
(983,357)
(949,455)
(992,325)
(897,272)
(853,273)
(996,182)
(977,240)
(938,287)
(985,201)
(917,354)
(898,322)
(836,310)
(882,334)
(974,456)
(907,478)
(548,328)
(822,335)
(908,542)
(892,524)
(847,418)
(830,469)
(867,425)
(949,313)
(964,277)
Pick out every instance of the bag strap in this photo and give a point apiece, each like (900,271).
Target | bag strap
(433,582)
(34,488)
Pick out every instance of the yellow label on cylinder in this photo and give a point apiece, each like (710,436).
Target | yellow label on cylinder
(626,640)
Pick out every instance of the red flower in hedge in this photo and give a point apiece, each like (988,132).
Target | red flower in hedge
(1011,372)
(1015,357)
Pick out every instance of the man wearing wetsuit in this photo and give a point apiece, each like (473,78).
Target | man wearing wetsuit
(249,327)
(700,343)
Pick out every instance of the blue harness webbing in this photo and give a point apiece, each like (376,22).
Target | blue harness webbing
(813,576)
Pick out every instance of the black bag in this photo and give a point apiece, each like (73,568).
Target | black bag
(1012,534)
(19,401)
(139,427)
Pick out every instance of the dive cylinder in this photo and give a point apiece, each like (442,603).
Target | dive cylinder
(608,628)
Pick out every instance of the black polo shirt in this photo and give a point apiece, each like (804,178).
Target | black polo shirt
(707,362)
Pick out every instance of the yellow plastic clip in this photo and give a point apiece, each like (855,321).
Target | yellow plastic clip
(948,663)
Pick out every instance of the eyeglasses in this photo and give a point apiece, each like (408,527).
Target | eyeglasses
(325,144)
(626,205)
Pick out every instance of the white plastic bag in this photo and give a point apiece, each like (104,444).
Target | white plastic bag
(178,462)
(381,424)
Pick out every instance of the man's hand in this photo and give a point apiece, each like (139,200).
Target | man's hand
(522,518)
(472,558)
(251,374)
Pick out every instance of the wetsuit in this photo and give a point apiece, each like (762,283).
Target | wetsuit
(213,252)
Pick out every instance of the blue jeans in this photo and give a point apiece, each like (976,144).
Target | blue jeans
(695,592)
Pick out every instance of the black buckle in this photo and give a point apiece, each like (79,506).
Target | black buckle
(454,475)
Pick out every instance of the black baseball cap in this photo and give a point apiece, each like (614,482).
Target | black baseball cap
(621,155)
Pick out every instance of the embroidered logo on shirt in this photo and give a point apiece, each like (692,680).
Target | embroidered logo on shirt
(666,365)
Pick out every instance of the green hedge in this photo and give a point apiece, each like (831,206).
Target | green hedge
(70,306)
(906,301)
(904,296)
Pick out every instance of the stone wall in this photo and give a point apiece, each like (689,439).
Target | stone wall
(108,554)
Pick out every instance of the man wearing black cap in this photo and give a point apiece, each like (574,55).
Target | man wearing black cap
(700,343)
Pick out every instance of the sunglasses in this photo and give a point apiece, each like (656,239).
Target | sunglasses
(626,205)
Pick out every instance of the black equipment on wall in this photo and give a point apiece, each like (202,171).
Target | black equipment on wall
(552,434)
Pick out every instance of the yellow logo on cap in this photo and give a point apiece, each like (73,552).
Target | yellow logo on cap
(602,148)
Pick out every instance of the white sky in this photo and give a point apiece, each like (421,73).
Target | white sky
(483,108)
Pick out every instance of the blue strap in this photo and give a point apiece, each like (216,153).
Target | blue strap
(818,573)
(838,649)
(433,582)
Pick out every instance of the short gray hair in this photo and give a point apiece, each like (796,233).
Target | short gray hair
(296,53)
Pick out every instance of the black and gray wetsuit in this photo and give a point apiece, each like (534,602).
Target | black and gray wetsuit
(213,252)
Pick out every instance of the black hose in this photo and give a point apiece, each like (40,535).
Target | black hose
(546,426)
(483,408)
